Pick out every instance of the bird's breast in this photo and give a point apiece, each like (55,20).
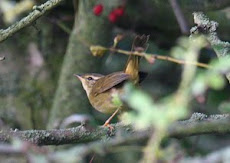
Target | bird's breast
(103,102)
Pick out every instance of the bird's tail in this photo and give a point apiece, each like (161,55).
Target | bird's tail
(140,44)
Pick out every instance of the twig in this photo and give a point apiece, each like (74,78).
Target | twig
(37,12)
(100,50)
(179,16)
(150,57)
(198,124)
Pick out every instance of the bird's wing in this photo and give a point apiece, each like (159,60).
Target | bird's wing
(109,81)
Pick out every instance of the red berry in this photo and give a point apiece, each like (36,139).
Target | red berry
(119,11)
(98,9)
(113,17)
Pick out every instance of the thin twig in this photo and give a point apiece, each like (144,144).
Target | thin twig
(149,57)
(37,12)
(179,17)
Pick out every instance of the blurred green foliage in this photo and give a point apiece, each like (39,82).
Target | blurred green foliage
(158,115)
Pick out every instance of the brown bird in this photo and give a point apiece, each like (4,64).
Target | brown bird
(100,89)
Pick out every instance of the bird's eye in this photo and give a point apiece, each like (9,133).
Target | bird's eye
(89,78)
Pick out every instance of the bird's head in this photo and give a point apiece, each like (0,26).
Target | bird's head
(88,81)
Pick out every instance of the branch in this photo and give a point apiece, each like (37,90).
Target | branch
(179,16)
(59,136)
(78,153)
(221,155)
(198,124)
(37,12)
(208,28)
(100,50)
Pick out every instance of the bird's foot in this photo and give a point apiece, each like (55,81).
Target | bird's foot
(106,124)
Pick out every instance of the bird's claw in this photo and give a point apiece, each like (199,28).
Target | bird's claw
(106,124)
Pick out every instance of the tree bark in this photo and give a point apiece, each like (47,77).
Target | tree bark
(88,30)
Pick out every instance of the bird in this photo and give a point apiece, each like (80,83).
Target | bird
(100,88)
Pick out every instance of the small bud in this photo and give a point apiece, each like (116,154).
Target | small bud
(117,39)
(97,50)
(150,58)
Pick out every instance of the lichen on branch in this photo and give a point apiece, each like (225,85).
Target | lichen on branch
(37,12)
(208,28)
(198,124)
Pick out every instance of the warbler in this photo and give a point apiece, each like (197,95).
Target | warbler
(100,89)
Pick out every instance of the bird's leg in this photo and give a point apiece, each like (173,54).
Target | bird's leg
(106,124)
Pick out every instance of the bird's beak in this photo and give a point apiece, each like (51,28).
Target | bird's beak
(78,76)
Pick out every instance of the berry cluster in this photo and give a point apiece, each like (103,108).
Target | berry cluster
(114,15)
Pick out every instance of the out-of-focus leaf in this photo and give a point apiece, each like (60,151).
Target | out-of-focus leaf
(160,115)
(12,10)
(75,118)
(221,65)
(199,85)
(225,107)
(116,100)
(178,52)
(216,81)
(211,78)
(147,113)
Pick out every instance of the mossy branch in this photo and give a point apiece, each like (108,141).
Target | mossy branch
(58,136)
(208,28)
(198,124)
(37,12)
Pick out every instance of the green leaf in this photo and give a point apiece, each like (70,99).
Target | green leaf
(221,64)
(116,100)
(216,81)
